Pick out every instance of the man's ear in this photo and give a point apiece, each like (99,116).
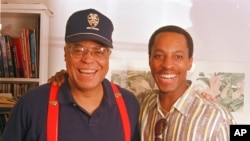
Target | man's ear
(190,63)
(65,50)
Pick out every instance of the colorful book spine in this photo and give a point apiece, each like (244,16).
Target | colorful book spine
(26,52)
(17,41)
(25,73)
(32,39)
(14,58)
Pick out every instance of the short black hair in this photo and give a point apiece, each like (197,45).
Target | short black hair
(176,29)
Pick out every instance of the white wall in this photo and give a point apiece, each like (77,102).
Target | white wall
(220,28)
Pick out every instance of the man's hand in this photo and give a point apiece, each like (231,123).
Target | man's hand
(58,78)
(209,97)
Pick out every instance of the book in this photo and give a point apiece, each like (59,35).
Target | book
(1,62)
(9,56)
(4,57)
(7,95)
(25,73)
(33,54)
(14,58)
(17,42)
(26,52)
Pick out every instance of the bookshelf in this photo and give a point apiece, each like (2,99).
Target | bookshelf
(33,16)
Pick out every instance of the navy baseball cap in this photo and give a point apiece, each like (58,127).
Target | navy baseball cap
(89,24)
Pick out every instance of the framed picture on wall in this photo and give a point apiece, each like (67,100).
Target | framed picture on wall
(226,81)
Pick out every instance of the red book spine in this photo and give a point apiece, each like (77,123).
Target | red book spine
(19,54)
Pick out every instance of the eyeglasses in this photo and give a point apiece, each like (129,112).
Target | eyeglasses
(98,52)
(160,126)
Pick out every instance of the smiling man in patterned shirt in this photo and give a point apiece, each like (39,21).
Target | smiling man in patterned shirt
(177,112)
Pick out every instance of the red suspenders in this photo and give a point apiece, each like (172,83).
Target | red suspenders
(123,112)
(53,110)
(52,117)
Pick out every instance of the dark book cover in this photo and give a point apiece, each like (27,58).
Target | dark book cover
(1,63)
(14,58)
(4,56)
(9,56)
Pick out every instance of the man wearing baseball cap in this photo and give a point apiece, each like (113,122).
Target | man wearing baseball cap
(86,106)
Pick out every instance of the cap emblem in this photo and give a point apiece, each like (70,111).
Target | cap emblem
(93,20)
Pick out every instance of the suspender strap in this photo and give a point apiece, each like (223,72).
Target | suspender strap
(53,112)
(123,112)
(52,117)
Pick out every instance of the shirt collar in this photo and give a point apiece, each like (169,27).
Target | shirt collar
(65,96)
(183,104)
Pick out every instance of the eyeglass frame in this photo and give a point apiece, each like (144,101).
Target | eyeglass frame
(104,50)
(161,123)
